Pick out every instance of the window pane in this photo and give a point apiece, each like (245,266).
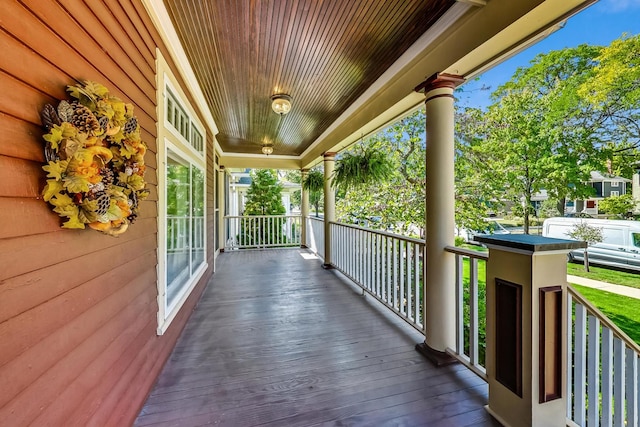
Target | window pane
(197,179)
(178,225)
(170,110)
(636,239)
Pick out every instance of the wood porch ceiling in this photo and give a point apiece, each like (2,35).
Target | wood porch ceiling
(324,54)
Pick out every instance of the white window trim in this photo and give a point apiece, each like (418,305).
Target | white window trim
(192,119)
(615,184)
(614,193)
(169,137)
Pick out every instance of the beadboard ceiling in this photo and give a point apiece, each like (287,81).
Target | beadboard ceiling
(323,53)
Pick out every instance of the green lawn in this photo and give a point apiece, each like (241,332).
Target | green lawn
(623,311)
(605,275)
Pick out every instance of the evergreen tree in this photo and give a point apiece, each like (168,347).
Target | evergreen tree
(264,196)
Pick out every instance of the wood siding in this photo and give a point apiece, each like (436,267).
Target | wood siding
(78,343)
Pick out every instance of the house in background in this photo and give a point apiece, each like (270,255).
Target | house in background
(605,185)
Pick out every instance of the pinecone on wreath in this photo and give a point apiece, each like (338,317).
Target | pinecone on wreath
(108,177)
(84,120)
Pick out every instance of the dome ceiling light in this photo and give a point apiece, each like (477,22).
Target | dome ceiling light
(281,104)
(267,148)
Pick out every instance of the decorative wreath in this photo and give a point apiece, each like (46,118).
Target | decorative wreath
(95,160)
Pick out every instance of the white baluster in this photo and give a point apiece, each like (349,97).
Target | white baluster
(607,376)
(632,388)
(580,372)
(473,310)
(618,382)
(593,372)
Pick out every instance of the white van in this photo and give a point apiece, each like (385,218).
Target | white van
(620,246)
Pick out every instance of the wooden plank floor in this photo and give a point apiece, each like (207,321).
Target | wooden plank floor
(278,341)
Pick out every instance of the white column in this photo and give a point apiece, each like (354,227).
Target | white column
(304,209)
(329,204)
(440,222)
(222,231)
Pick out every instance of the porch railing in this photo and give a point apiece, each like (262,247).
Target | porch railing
(315,235)
(386,266)
(262,231)
(470,309)
(602,374)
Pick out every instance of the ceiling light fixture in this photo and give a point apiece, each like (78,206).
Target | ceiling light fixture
(267,149)
(281,104)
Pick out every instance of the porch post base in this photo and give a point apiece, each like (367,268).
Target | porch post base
(327,266)
(496,416)
(221,250)
(303,247)
(438,358)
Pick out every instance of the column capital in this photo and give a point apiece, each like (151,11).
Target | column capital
(329,155)
(221,168)
(304,170)
(440,80)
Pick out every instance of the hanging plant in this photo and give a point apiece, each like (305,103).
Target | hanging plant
(368,167)
(95,160)
(314,182)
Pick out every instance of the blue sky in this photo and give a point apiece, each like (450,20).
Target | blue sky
(600,24)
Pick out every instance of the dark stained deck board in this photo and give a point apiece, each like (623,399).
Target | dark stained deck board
(278,341)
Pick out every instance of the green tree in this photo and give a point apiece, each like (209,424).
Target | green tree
(391,197)
(394,198)
(566,114)
(264,196)
(514,148)
(477,193)
(572,126)
(586,233)
(613,89)
(619,206)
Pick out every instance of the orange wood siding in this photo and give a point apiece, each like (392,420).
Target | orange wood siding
(78,343)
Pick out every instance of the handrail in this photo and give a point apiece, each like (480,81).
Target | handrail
(467,252)
(603,318)
(380,232)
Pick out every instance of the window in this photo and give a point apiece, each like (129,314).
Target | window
(615,184)
(181,198)
(636,239)
(185,224)
(614,193)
